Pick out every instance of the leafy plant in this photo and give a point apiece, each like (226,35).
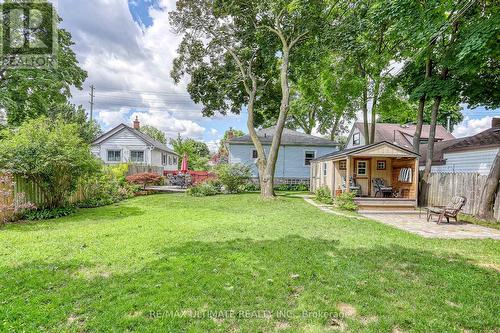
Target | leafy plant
(323,195)
(48,213)
(345,201)
(233,176)
(50,154)
(204,189)
(292,187)
(145,179)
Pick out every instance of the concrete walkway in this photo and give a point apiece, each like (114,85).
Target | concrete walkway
(417,224)
(420,226)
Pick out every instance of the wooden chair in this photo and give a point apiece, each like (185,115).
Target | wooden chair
(353,187)
(379,185)
(450,211)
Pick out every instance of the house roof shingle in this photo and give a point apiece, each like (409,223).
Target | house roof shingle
(485,139)
(289,137)
(145,137)
(402,135)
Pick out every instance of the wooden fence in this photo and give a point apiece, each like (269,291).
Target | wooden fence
(443,186)
(134,169)
(29,192)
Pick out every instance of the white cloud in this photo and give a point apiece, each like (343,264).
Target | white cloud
(472,126)
(214,132)
(129,65)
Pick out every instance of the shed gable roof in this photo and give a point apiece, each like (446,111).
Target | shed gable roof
(373,149)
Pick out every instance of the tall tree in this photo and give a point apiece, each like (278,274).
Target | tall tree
(154,133)
(231,49)
(30,93)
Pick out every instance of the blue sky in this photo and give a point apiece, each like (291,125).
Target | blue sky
(127,48)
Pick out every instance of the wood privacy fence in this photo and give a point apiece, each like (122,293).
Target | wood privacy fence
(134,169)
(30,193)
(443,186)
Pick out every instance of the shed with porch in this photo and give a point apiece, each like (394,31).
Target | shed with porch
(383,174)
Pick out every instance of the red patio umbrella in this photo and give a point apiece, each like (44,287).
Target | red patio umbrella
(184,164)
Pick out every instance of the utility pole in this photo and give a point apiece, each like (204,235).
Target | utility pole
(92,95)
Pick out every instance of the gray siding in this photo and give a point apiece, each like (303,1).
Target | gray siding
(350,142)
(290,163)
(472,161)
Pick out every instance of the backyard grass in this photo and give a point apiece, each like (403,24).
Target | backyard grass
(172,263)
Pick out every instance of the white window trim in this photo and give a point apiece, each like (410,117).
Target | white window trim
(308,151)
(366,168)
(354,140)
(138,151)
(107,155)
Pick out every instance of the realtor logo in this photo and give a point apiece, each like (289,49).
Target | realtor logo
(29,35)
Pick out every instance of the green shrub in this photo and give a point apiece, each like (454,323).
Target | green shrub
(345,201)
(47,214)
(204,189)
(292,187)
(233,176)
(250,187)
(324,195)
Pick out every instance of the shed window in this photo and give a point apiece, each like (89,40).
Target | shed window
(362,170)
(137,156)
(325,169)
(114,155)
(356,139)
(381,165)
(343,165)
(254,154)
(309,156)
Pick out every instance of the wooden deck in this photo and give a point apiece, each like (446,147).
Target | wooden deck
(386,205)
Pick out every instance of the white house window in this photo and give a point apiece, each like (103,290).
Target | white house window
(356,139)
(254,154)
(169,160)
(174,160)
(114,155)
(137,156)
(361,167)
(309,156)
(164,159)
(325,168)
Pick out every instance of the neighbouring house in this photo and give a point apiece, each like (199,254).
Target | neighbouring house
(400,135)
(125,144)
(296,152)
(473,154)
(384,175)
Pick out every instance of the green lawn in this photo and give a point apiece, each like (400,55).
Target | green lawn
(171,263)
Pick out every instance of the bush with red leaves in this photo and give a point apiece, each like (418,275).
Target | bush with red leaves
(145,179)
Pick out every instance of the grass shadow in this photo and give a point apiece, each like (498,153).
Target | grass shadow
(292,284)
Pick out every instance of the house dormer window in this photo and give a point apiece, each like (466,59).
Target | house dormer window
(356,139)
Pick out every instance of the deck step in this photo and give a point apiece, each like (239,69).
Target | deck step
(386,211)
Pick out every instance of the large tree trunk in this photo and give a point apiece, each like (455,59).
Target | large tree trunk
(268,178)
(485,210)
(421,107)
(432,137)
(364,105)
(376,92)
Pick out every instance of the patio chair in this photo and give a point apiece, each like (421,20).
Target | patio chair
(450,211)
(379,185)
(353,187)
